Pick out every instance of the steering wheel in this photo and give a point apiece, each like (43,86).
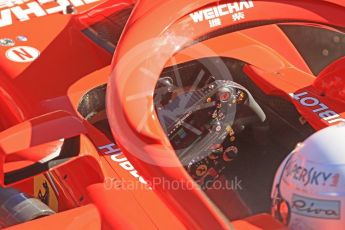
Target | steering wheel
(198,121)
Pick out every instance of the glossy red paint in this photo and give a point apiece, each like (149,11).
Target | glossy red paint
(39,104)
(149,141)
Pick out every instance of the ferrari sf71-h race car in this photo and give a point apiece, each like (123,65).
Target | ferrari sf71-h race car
(163,114)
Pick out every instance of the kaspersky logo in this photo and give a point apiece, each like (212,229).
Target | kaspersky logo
(215,14)
(24,10)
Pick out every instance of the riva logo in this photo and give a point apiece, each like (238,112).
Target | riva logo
(214,14)
(24,10)
(324,209)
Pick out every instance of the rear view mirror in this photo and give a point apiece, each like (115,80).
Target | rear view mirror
(35,145)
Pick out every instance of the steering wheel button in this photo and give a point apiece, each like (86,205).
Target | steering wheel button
(240,97)
(224,96)
(230,130)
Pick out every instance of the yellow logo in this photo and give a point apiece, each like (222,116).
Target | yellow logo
(201,170)
(44,191)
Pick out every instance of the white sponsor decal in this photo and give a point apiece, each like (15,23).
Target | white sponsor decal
(322,110)
(310,175)
(6,42)
(118,157)
(22,54)
(24,10)
(316,208)
(215,14)
(22,38)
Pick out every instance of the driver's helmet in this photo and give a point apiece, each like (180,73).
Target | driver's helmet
(309,187)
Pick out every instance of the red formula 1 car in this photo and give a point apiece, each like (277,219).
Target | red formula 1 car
(182,128)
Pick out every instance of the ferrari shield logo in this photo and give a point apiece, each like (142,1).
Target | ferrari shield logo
(44,191)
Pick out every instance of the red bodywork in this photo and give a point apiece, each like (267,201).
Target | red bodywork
(39,102)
